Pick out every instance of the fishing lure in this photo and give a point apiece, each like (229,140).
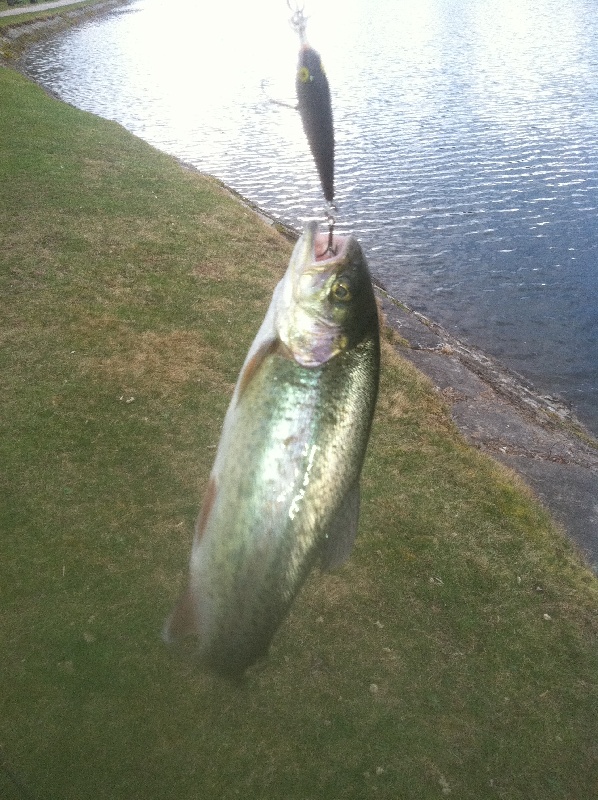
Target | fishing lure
(315,108)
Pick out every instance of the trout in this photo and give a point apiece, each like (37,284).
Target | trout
(283,493)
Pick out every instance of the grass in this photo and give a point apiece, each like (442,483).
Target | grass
(455,654)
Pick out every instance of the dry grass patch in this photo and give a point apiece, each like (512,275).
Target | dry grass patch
(157,362)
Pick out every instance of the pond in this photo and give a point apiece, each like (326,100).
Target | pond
(466,146)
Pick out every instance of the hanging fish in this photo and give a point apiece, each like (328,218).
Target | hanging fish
(315,107)
(284,489)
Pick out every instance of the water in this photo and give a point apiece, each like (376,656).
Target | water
(467,146)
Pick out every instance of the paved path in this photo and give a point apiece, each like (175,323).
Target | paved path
(33,7)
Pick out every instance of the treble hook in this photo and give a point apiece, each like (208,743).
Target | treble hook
(330,250)
(331,224)
(298,20)
(295,8)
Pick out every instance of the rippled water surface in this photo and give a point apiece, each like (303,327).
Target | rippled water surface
(467,145)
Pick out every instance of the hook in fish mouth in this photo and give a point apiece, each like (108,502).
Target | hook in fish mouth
(328,246)
(330,250)
(331,224)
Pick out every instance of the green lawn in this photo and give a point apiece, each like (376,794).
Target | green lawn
(454,655)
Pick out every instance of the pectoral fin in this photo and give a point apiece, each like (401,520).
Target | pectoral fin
(252,365)
(342,531)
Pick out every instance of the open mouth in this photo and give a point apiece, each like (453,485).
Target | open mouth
(326,247)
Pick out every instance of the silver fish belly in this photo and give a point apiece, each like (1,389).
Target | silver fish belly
(284,488)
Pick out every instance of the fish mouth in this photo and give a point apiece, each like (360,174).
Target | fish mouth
(328,247)
(320,249)
(316,257)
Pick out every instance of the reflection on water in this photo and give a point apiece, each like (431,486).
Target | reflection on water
(467,155)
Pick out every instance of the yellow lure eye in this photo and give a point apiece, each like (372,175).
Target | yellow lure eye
(304,75)
(340,291)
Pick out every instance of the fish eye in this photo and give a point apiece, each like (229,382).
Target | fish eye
(304,75)
(340,291)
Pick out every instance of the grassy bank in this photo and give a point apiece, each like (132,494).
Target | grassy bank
(454,655)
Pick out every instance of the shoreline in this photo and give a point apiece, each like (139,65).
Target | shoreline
(500,414)
(496,410)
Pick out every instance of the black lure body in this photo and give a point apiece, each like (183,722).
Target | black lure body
(315,108)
